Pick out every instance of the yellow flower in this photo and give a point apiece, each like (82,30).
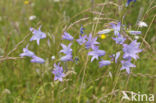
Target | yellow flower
(26,2)
(103,36)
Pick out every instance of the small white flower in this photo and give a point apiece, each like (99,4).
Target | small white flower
(136,37)
(110,74)
(53,57)
(56,0)
(32,4)
(32,17)
(105,31)
(142,24)
(38,71)
(6,91)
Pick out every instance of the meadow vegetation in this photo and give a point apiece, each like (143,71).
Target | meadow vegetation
(22,81)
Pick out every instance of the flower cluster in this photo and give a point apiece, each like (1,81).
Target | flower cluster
(91,44)
(58,70)
(129,50)
(37,35)
(67,51)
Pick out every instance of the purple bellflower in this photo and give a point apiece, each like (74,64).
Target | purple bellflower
(91,42)
(37,35)
(131,50)
(67,57)
(134,32)
(104,63)
(129,1)
(36,59)
(66,49)
(67,36)
(116,28)
(119,39)
(112,57)
(96,53)
(82,39)
(126,64)
(27,52)
(105,31)
(82,30)
(117,56)
(58,72)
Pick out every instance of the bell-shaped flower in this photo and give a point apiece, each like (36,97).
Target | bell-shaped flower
(131,50)
(126,64)
(104,63)
(66,49)
(58,72)
(36,59)
(116,28)
(96,53)
(119,39)
(37,35)
(67,57)
(67,36)
(91,42)
(27,52)
(82,39)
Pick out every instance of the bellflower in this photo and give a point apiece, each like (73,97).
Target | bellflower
(38,34)
(119,39)
(136,37)
(82,39)
(104,63)
(91,42)
(134,32)
(126,64)
(129,1)
(105,31)
(76,59)
(82,30)
(58,72)
(32,17)
(112,57)
(117,56)
(66,49)
(67,57)
(96,53)
(27,52)
(36,59)
(67,36)
(131,50)
(116,28)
